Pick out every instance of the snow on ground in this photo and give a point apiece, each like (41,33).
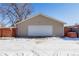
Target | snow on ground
(52,46)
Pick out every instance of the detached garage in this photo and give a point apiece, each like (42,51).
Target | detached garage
(40,25)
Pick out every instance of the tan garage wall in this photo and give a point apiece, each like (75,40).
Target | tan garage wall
(22,28)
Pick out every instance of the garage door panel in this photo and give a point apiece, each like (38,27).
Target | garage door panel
(40,30)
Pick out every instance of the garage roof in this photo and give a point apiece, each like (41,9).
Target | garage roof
(41,15)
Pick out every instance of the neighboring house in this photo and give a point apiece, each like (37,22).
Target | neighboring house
(72,31)
(40,25)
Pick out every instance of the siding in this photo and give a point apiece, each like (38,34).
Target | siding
(22,28)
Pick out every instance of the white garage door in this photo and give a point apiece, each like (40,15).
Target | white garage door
(40,30)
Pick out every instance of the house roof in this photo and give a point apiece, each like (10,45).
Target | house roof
(42,15)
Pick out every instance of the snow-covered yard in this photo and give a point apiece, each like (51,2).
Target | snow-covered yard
(52,46)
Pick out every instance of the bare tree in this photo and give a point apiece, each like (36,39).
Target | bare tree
(15,12)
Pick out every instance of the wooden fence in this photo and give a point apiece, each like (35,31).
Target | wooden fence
(7,32)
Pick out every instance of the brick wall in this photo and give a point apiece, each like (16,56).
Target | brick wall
(7,32)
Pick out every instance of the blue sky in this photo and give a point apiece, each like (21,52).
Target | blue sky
(69,13)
